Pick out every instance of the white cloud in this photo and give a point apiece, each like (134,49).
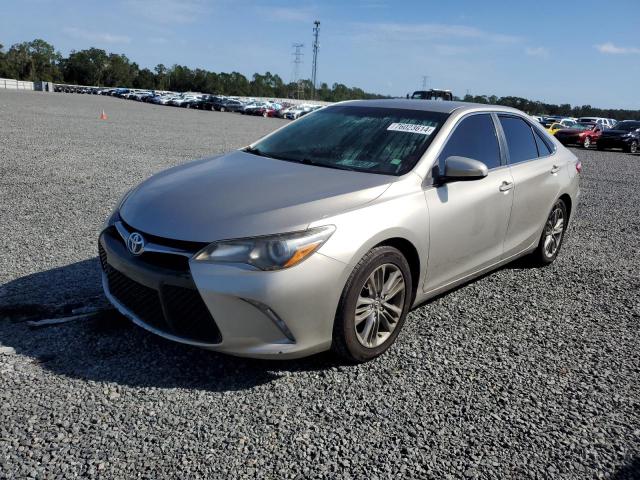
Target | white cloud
(170,11)
(537,52)
(610,48)
(287,14)
(100,37)
(431,31)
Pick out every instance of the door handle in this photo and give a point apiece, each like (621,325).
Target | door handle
(506,186)
(555,169)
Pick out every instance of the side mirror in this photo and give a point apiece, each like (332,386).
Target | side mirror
(463,168)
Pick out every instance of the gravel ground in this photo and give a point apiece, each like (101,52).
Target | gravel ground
(525,373)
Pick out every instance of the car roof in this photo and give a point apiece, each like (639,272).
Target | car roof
(438,106)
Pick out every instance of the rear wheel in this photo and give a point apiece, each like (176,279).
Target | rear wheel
(373,305)
(587,142)
(552,235)
(633,147)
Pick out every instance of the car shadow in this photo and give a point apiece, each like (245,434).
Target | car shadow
(629,471)
(107,347)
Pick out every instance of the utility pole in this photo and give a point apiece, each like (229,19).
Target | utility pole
(316,46)
(297,61)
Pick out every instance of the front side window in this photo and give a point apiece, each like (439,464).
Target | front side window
(368,139)
(520,140)
(475,137)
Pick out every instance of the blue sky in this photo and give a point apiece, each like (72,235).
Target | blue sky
(578,52)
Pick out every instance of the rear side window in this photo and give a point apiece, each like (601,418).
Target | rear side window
(520,139)
(475,137)
(543,148)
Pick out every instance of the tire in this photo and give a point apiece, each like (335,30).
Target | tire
(265,115)
(546,253)
(222,109)
(587,143)
(632,148)
(379,324)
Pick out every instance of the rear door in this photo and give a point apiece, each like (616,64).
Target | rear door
(538,174)
(468,219)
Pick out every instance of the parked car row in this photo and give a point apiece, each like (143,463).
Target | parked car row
(201,101)
(548,120)
(603,133)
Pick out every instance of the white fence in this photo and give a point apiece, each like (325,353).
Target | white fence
(12,84)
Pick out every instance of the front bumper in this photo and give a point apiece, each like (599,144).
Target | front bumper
(614,142)
(569,139)
(285,314)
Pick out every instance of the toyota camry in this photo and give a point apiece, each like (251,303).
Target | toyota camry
(325,233)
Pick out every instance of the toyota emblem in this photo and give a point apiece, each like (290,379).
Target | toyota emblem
(135,243)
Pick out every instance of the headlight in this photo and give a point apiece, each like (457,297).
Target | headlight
(273,252)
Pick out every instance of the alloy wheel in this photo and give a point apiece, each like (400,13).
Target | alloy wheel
(633,148)
(379,305)
(587,142)
(553,230)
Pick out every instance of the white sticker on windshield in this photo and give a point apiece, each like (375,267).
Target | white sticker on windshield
(411,128)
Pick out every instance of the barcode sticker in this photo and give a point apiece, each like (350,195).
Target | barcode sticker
(411,128)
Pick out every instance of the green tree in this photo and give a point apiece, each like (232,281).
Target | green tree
(33,61)
(161,76)
(119,71)
(86,67)
(145,79)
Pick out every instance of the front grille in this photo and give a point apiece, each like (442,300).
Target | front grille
(103,257)
(189,315)
(175,310)
(169,261)
(143,301)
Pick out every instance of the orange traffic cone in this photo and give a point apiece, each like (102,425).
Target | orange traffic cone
(103,116)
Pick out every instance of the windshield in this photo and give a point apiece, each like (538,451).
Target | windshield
(628,126)
(374,140)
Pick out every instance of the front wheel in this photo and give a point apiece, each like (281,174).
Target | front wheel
(633,147)
(587,142)
(373,305)
(552,235)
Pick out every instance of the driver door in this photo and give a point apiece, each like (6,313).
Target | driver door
(469,219)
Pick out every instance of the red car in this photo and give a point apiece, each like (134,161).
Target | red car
(583,134)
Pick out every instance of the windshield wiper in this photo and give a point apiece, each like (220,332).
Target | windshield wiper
(257,151)
(308,161)
(305,161)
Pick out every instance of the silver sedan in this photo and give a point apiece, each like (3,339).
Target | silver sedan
(325,233)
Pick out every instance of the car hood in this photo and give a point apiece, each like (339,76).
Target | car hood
(615,133)
(242,195)
(572,131)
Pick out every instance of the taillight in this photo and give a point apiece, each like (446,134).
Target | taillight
(579,166)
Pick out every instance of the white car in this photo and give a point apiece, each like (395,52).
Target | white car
(604,123)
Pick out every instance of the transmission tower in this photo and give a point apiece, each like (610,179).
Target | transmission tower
(297,61)
(316,46)
(425,79)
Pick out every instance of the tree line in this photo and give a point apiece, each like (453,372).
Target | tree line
(39,60)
